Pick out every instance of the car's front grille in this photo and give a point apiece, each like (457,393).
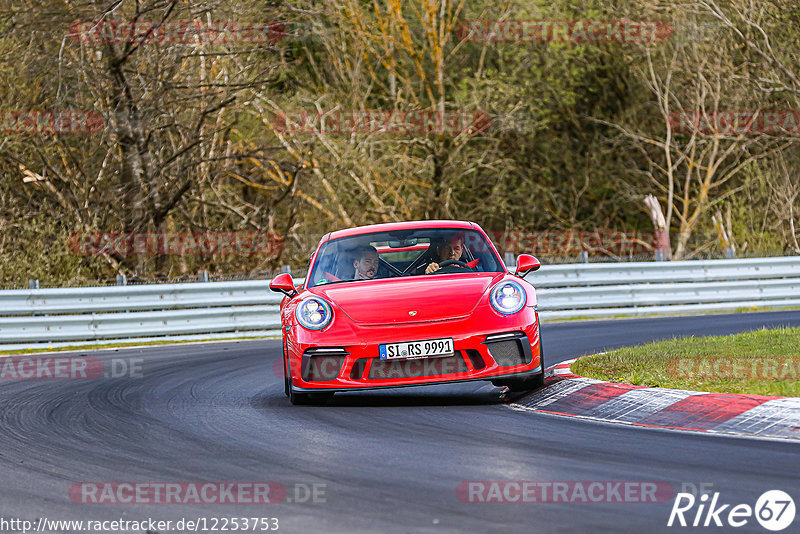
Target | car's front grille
(413,368)
(511,349)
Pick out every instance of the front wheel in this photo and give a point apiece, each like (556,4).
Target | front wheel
(287,386)
(526,384)
(302,399)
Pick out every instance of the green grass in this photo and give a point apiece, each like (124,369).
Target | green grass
(762,362)
(72,348)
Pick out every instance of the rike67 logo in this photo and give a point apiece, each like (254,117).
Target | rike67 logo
(774,510)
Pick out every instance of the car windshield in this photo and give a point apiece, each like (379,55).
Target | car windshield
(403,253)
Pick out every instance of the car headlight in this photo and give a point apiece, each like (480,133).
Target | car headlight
(314,313)
(508,297)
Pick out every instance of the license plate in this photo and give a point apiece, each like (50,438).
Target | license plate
(430,348)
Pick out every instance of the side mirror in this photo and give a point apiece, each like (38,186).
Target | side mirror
(526,264)
(283,283)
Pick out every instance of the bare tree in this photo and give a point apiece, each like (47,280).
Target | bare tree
(693,160)
(171,143)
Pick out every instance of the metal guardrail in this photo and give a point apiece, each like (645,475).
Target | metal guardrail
(33,318)
(593,274)
(75,316)
(643,288)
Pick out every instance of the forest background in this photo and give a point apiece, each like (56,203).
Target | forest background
(190,134)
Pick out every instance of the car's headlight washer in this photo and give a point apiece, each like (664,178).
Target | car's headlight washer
(508,297)
(314,313)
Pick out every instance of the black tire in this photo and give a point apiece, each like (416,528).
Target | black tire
(526,384)
(535,382)
(540,378)
(302,399)
(287,387)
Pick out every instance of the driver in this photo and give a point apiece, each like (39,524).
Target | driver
(365,263)
(447,249)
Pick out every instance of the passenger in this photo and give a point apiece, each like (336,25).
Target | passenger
(365,263)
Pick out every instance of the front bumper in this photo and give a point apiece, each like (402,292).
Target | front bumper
(513,352)
(425,383)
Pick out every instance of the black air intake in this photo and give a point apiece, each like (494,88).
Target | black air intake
(322,364)
(509,349)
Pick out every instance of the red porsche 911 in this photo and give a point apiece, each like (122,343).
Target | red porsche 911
(407,304)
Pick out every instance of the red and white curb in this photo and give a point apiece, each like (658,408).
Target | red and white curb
(571,395)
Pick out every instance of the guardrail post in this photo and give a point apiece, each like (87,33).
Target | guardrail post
(659,256)
(202,276)
(508,257)
(286,269)
(730,253)
(122,280)
(583,257)
(33,284)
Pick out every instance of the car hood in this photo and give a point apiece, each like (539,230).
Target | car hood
(410,300)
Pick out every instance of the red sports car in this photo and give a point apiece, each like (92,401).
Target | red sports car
(405,304)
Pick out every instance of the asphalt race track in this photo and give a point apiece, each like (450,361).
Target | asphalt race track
(387,461)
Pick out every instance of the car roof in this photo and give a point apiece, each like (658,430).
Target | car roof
(410,225)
